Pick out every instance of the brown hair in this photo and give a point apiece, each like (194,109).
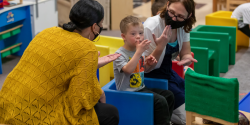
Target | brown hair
(128,21)
(157,5)
(190,7)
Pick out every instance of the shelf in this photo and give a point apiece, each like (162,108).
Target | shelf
(10,50)
(16,31)
(10,32)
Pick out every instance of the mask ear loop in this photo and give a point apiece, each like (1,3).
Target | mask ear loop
(97,37)
(89,36)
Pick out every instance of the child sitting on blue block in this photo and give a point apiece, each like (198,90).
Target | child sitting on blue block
(130,66)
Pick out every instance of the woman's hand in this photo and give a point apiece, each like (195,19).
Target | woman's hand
(186,61)
(103,97)
(107,59)
(164,38)
(185,55)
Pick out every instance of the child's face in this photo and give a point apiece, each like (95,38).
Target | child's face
(134,33)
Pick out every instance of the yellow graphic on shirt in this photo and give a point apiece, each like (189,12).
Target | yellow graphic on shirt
(137,77)
(135,80)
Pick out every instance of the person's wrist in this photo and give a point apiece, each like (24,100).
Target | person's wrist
(139,52)
(162,42)
(186,57)
(160,47)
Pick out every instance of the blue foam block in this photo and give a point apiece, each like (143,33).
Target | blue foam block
(244,103)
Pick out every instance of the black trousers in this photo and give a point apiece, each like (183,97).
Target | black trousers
(107,114)
(245,30)
(163,105)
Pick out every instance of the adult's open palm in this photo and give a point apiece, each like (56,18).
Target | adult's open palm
(187,61)
(107,59)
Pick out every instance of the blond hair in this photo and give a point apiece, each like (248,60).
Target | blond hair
(129,20)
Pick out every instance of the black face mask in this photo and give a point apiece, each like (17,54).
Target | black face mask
(174,24)
(96,35)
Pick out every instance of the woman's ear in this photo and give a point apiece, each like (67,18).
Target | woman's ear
(93,28)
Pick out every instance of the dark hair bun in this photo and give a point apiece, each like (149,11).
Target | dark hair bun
(84,14)
(69,26)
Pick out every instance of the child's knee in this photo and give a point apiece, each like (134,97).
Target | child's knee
(168,95)
(161,102)
(171,96)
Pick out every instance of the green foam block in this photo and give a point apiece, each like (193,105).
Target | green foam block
(212,96)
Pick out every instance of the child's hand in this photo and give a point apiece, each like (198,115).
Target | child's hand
(142,46)
(150,60)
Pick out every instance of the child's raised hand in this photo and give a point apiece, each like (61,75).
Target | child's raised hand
(150,60)
(142,46)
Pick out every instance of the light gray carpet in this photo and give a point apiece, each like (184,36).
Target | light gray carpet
(8,64)
(241,70)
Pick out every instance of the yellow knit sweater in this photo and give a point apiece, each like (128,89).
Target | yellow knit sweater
(54,82)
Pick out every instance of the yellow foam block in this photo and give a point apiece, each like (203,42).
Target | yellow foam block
(114,43)
(104,72)
(223,18)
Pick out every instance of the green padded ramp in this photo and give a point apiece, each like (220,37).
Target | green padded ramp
(212,96)
(212,30)
(214,61)
(224,49)
(202,56)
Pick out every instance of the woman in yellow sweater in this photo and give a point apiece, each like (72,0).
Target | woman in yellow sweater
(55,81)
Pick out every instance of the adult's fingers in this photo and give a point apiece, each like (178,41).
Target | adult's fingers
(148,42)
(182,62)
(115,56)
(194,60)
(165,30)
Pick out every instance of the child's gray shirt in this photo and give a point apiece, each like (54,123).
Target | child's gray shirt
(128,82)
